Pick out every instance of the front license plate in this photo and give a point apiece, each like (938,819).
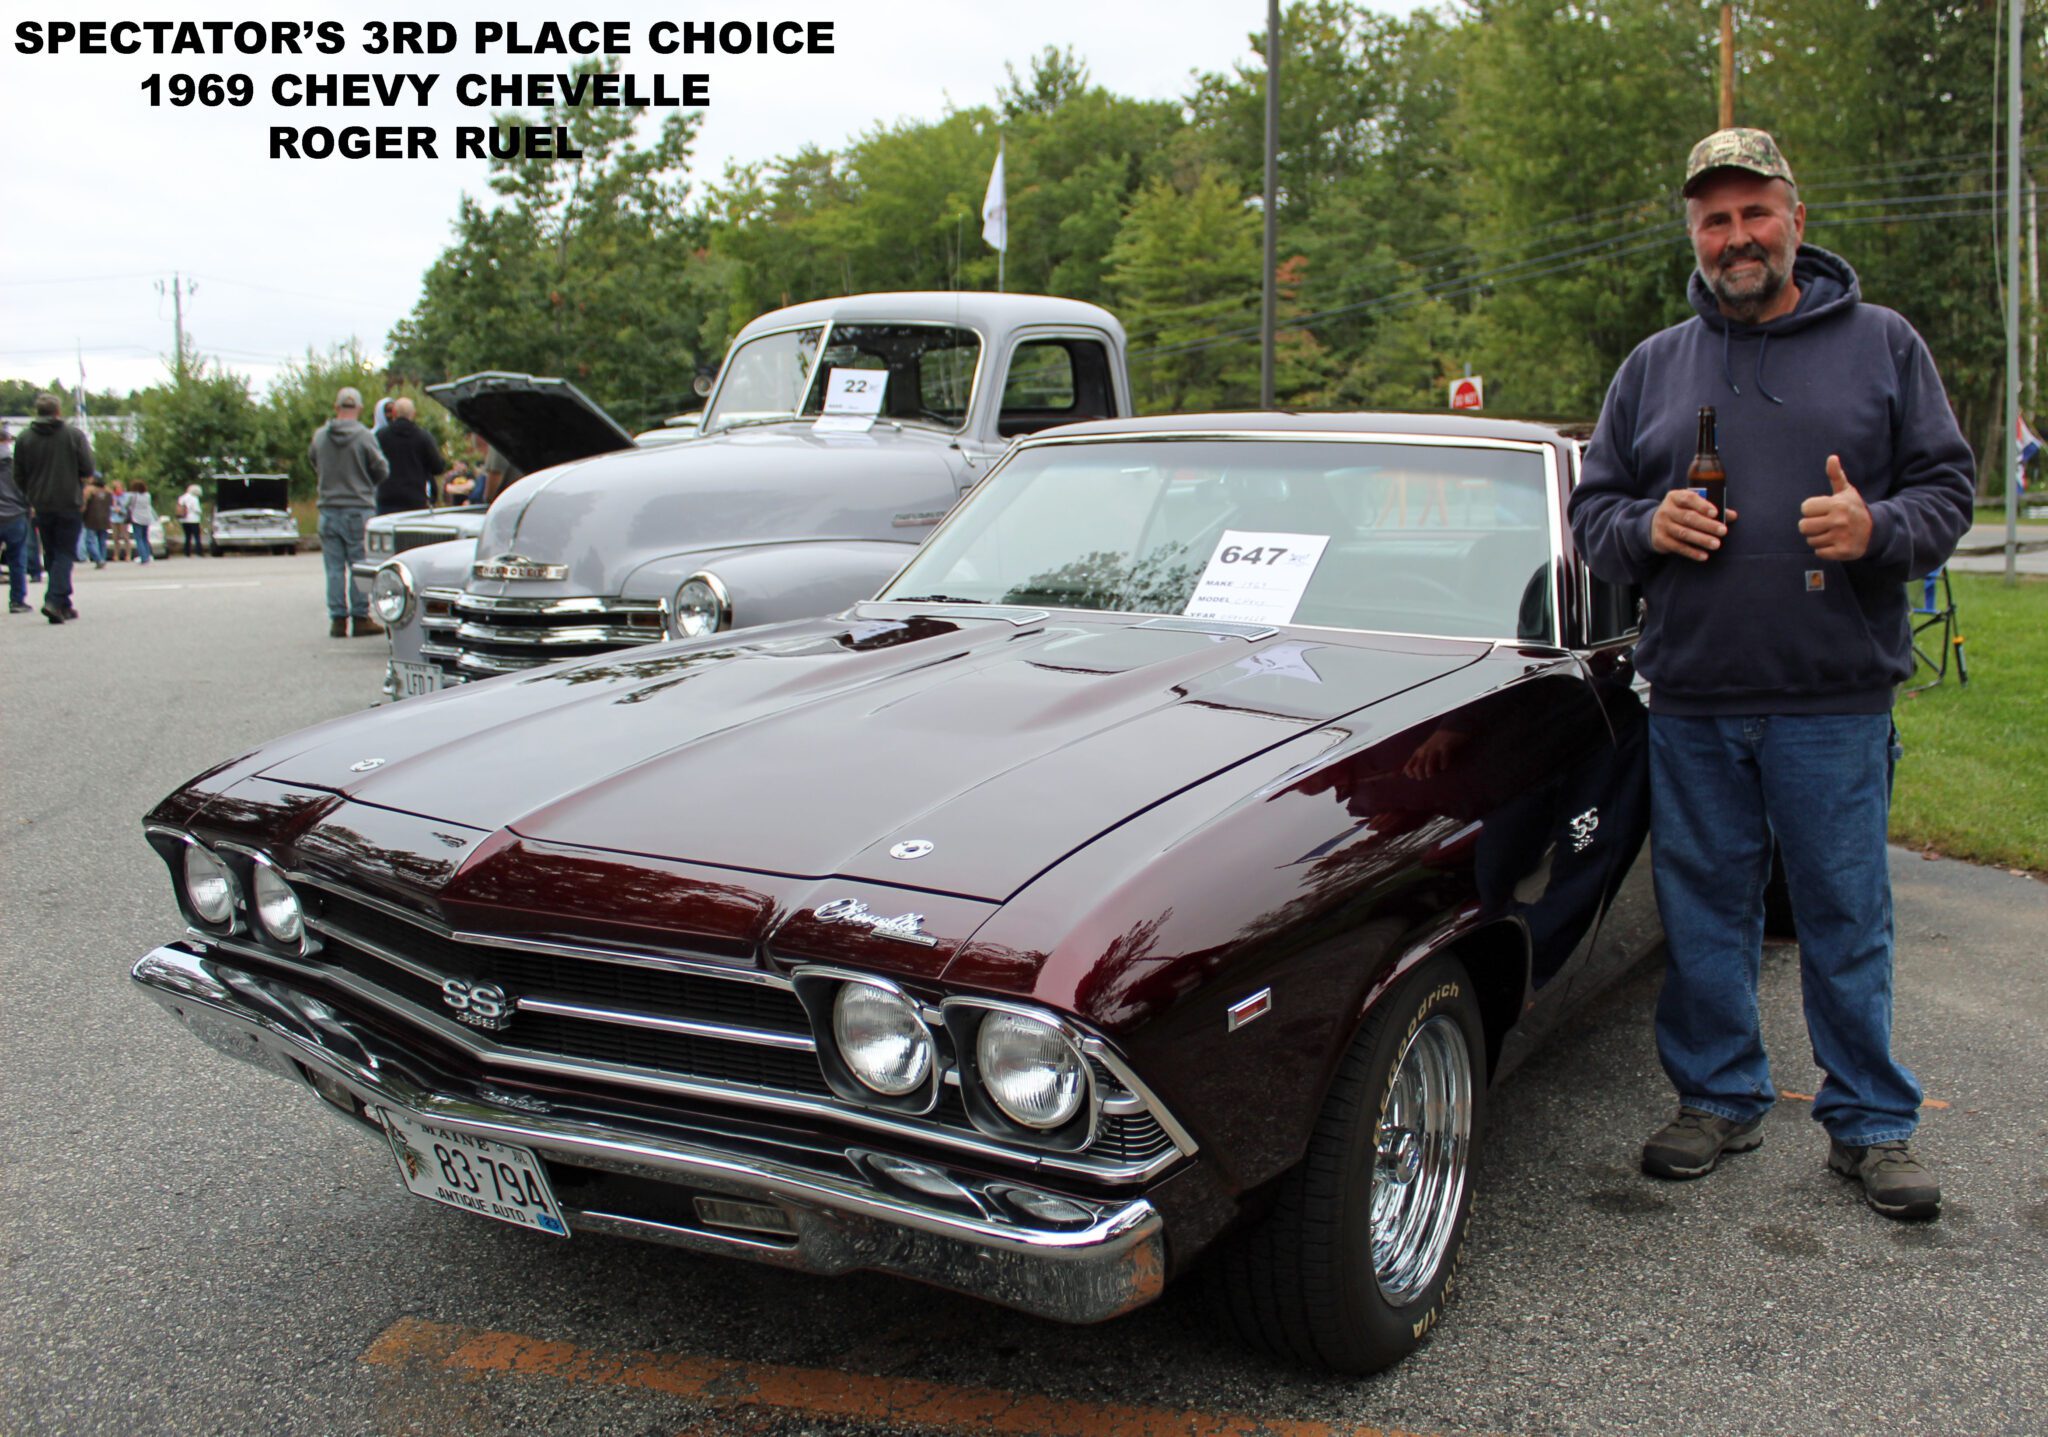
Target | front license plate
(417,679)
(499,1180)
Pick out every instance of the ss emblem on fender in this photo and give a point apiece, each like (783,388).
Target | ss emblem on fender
(481,1005)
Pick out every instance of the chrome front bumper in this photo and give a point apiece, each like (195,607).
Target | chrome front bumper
(1109,1259)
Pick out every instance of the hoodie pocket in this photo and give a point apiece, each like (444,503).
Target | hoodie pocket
(1760,624)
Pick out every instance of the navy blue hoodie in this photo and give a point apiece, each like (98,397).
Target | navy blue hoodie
(1764,626)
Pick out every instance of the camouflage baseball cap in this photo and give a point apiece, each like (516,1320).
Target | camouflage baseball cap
(1752,150)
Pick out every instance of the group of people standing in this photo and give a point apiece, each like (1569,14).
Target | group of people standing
(116,522)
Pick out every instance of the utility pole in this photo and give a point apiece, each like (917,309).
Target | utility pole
(1269,299)
(179,288)
(1727,68)
(2012,297)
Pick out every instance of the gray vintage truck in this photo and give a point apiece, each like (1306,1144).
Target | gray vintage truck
(838,433)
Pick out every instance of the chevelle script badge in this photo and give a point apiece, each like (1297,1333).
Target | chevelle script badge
(907,926)
(517,566)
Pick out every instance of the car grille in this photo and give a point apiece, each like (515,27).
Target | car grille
(404,538)
(634,1017)
(470,636)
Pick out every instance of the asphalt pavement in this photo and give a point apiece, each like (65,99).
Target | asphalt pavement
(190,1245)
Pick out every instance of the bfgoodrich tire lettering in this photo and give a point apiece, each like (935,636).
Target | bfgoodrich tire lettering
(1352,1267)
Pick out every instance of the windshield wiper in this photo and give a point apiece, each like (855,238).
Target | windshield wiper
(932,599)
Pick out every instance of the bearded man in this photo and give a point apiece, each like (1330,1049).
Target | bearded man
(1773,640)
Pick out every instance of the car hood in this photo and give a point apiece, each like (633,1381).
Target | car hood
(536,423)
(606,517)
(261,491)
(813,749)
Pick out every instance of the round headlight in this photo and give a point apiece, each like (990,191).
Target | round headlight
(1030,1070)
(882,1038)
(701,607)
(207,886)
(277,907)
(391,594)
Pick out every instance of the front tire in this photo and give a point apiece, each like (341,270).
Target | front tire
(1353,1266)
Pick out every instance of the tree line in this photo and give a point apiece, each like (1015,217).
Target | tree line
(1490,186)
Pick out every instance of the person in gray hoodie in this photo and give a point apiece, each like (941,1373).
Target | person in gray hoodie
(351,466)
(1773,639)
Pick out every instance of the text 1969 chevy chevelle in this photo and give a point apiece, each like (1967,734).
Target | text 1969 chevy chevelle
(1168,860)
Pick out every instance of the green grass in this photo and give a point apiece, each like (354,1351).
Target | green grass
(1974,783)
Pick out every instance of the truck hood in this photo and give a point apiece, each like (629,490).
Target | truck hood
(535,422)
(741,487)
(812,749)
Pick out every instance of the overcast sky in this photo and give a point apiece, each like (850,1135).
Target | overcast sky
(110,196)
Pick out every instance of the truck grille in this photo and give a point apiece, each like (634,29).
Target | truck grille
(642,1017)
(470,636)
(403,538)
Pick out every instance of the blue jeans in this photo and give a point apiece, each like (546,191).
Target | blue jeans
(59,533)
(14,554)
(94,544)
(341,544)
(141,532)
(1720,788)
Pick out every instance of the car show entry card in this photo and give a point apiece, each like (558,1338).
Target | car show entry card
(1257,578)
(853,400)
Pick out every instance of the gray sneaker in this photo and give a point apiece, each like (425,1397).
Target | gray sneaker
(1894,1182)
(1691,1144)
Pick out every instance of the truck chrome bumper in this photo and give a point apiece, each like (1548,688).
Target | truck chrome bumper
(1100,1259)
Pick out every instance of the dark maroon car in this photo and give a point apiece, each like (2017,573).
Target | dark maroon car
(1165,864)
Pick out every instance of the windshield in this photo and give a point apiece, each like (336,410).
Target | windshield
(929,369)
(1411,538)
(765,378)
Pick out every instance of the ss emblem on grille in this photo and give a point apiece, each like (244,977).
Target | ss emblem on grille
(481,1005)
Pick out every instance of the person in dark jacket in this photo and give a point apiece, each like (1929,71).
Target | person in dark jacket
(415,460)
(1772,642)
(51,463)
(350,466)
(96,513)
(14,528)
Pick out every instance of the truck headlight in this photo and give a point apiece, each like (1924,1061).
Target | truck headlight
(702,607)
(1030,1070)
(208,886)
(882,1038)
(277,907)
(391,593)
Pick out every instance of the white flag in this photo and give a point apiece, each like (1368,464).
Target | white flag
(995,208)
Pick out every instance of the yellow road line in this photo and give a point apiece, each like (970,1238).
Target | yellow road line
(816,1392)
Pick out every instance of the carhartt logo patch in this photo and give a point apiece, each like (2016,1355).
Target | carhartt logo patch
(1816,580)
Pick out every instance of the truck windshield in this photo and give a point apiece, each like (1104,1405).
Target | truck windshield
(929,367)
(765,379)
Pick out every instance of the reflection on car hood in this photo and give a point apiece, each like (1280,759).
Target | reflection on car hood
(812,749)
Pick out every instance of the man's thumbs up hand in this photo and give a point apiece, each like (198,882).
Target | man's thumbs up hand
(1836,525)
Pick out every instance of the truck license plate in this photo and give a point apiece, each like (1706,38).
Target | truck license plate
(497,1180)
(417,679)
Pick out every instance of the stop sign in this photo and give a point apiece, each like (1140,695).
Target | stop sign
(1468,393)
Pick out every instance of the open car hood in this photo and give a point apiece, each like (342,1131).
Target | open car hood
(250,491)
(534,422)
(812,749)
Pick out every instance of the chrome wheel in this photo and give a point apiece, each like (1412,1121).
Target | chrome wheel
(1422,1151)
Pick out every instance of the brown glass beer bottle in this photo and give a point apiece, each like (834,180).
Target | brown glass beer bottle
(1706,477)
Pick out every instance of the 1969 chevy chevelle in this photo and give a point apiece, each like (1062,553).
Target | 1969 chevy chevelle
(1165,863)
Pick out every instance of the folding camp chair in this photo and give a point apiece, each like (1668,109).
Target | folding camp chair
(1935,632)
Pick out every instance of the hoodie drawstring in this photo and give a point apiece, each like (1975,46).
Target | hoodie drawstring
(1728,371)
(1761,343)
